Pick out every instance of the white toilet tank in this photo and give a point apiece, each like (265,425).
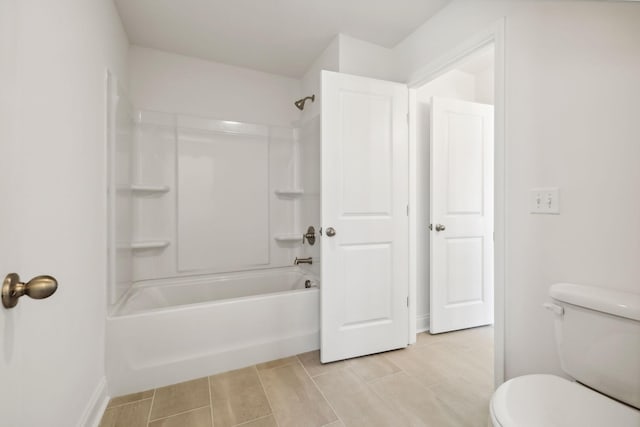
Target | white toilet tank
(598,337)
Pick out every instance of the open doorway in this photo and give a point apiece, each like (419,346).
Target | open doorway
(454,182)
(455,122)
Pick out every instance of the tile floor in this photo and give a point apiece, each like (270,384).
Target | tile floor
(442,380)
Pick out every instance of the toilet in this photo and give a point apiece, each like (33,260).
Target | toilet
(597,333)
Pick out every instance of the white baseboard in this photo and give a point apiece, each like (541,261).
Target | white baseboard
(95,407)
(422,323)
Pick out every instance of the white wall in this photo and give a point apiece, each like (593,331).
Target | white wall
(310,82)
(348,55)
(572,93)
(453,84)
(173,83)
(53,60)
(362,58)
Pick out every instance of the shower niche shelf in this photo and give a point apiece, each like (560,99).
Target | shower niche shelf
(292,193)
(288,238)
(150,244)
(149,189)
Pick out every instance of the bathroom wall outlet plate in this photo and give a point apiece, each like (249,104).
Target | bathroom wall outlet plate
(545,201)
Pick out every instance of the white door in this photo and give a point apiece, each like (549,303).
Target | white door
(461,285)
(364,216)
(12,322)
(52,215)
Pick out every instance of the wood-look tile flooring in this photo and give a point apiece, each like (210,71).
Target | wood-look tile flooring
(443,380)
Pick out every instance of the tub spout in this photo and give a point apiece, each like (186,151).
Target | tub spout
(303,261)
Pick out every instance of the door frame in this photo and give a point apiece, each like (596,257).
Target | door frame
(495,34)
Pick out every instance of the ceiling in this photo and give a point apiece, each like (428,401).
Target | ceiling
(275,36)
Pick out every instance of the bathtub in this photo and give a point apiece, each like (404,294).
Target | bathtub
(171,331)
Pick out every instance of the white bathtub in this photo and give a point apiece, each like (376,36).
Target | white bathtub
(175,331)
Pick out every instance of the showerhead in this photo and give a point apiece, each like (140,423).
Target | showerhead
(300,102)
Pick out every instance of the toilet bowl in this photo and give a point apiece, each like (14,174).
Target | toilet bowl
(598,338)
(550,401)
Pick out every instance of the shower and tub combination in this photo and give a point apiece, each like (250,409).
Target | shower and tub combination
(206,219)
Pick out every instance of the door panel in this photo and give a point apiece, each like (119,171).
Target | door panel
(465,284)
(465,172)
(364,198)
(372,169)
(462,201)
(367,272)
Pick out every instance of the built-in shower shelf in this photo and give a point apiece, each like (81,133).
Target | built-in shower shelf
(150,244)
(289,193)
(290,238)
(137,188)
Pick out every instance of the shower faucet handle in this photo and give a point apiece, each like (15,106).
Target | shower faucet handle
(310,235)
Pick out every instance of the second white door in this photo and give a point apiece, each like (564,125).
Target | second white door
(461,285)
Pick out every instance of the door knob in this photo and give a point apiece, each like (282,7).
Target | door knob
(440,227)
(37,288)
(330,231)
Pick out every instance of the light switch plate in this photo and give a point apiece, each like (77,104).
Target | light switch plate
(545,201)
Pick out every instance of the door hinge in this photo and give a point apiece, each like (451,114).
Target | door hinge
(407,301)
(407,210)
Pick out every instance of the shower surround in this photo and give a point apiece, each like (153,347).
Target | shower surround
(204,248)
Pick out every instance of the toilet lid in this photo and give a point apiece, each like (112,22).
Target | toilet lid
(548,400)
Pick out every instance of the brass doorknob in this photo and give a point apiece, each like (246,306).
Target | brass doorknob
(37,288)
(440,227)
